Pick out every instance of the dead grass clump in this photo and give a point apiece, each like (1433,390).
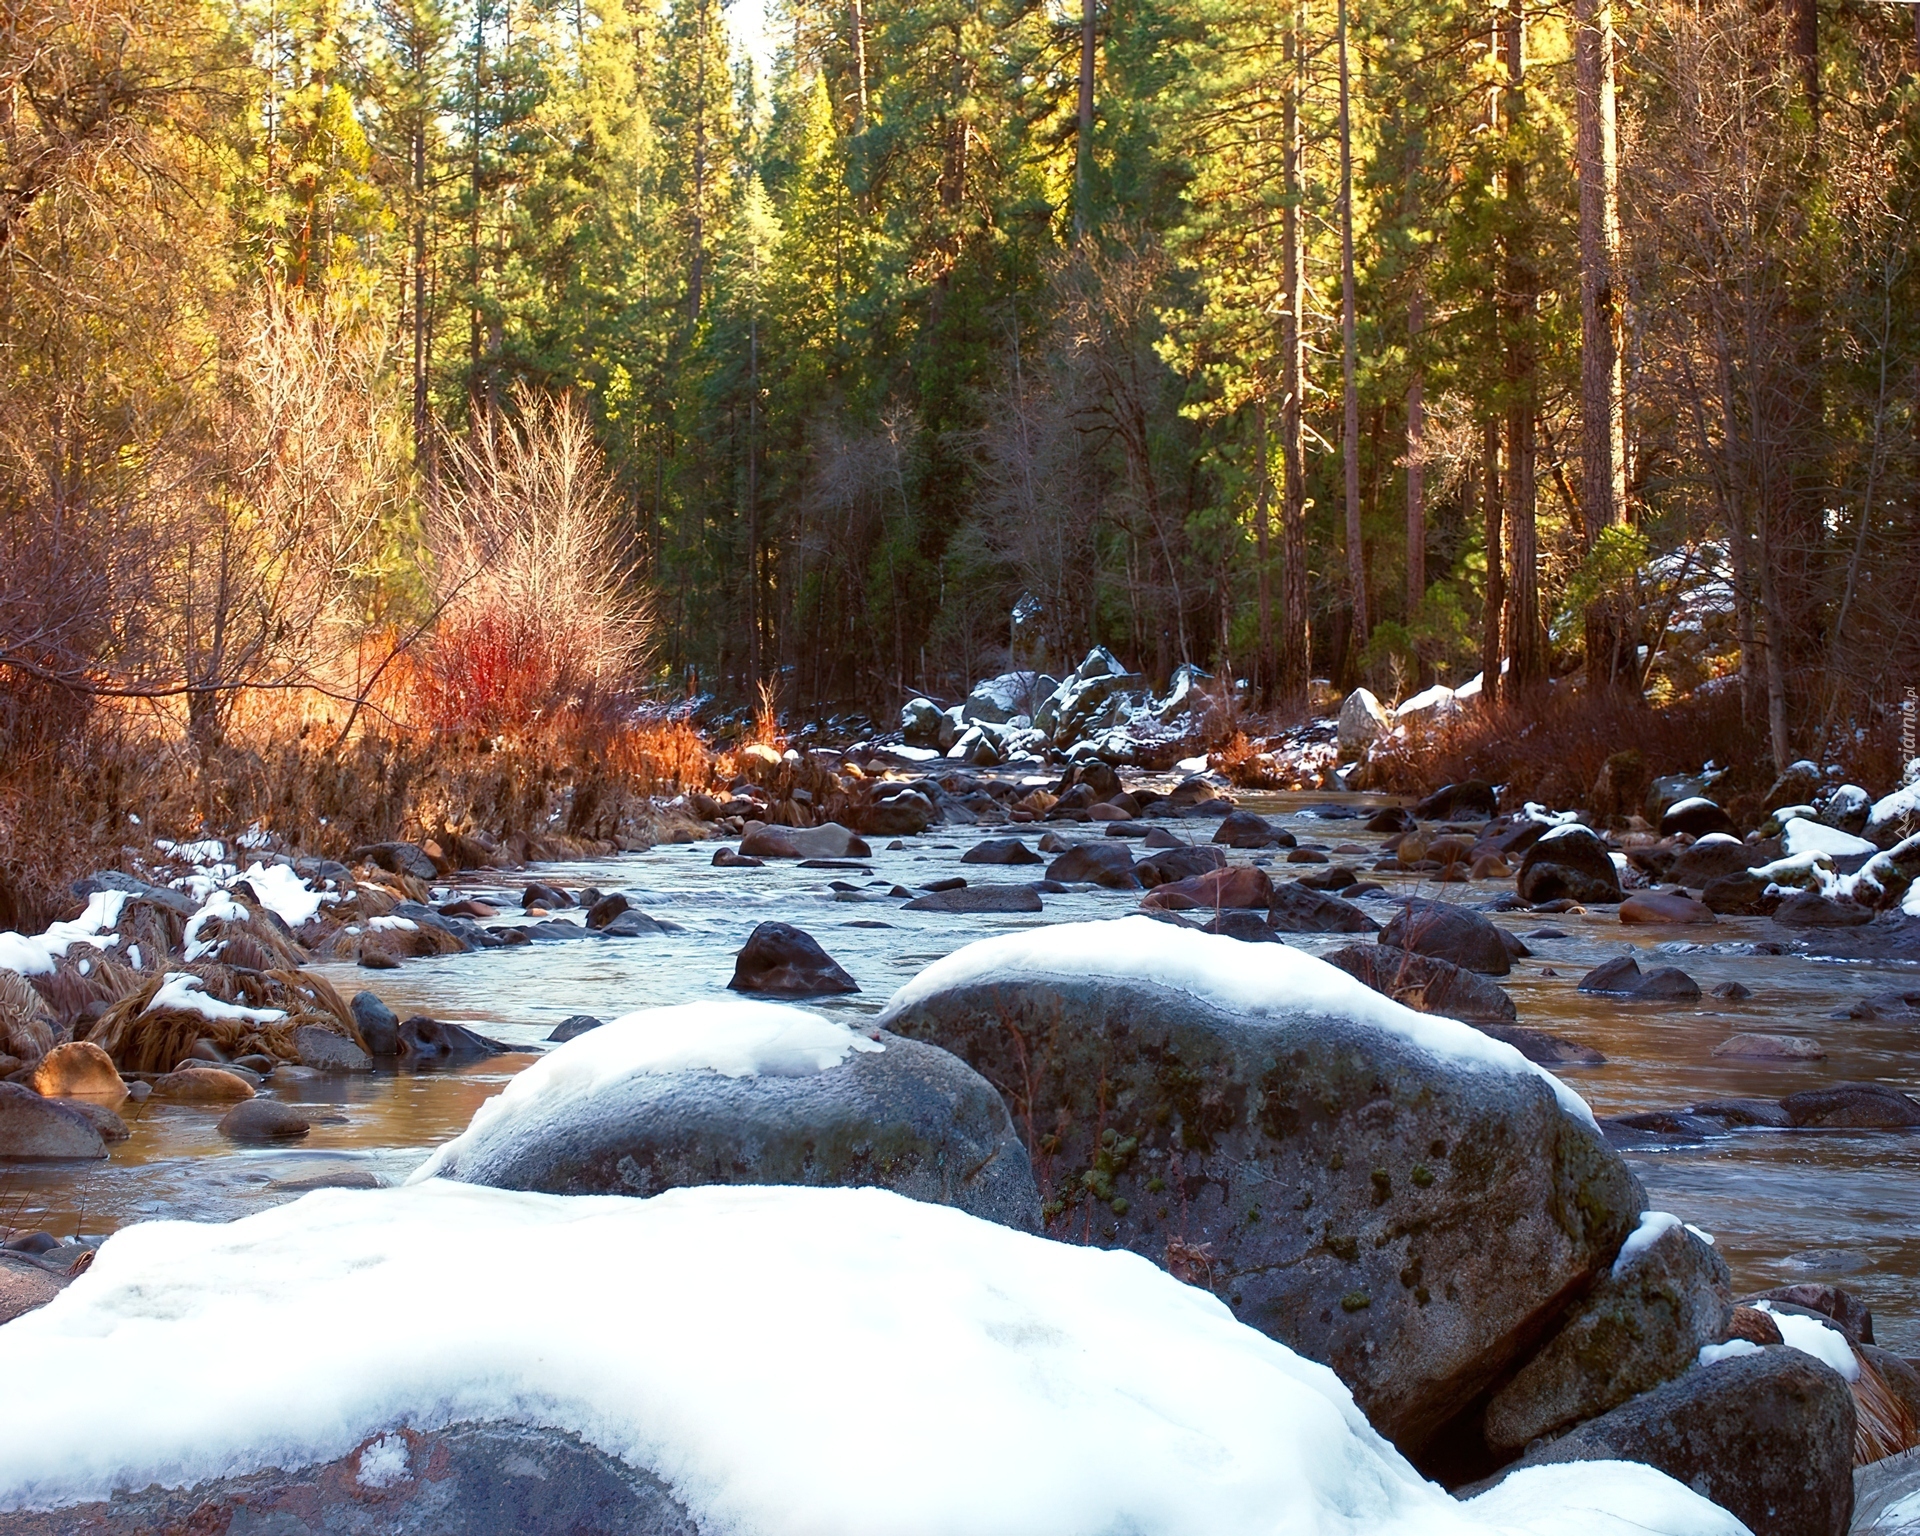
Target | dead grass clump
(1245,764)
(27,1027)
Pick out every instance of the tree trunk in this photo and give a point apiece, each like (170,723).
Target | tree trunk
(859,24)
(1262,537)
(1083,144)
(1416,449)
(1296,654)
(1496,597)
(1526,642)
(1350,396)
(1603,466)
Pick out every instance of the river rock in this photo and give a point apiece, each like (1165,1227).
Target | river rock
(426,1042)
(1001,850)
(25,1285)
(36,1129)
(398,859)
(1248,829)
(377,1024)
(1766,1435)
(978,898)
(1714,858)
(1760,1047)
(1841,1307)
(1452,933)
(906,814)
(540,894)
(1296,907)
(1741,894)
(1695,816)
(728,858)
(907,1117)
(264,1120)
(1428,984)
(829,842)
(1470,800)
(1237,885)
(573,1026)
(1108,864)
(632,924)
(1733,1112)
(1408,1219)
(1858,1106)
(79,1069)
(1539,1046)
(1363,721)
(202,1085)
(1643,1324)
(1180,863)
(1811,909)
(1568,862)
(1663,907)
(780,960)
(327,1050)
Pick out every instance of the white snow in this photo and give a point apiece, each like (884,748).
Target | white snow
(285,894)
(735,1038)
(1243,978)
(1713,1354)
(813,1362)
(384,1462)
(1191,765)
(393,924)
(1716,837)
(1910,903)
(1808,863)
(1704,1236)
(35,954)
(186,992)
(1902,802)
(1812,1337)
(1805,836)
(1643,1237)
(1569,829)
(1690,803)
(208,850)
(219,906)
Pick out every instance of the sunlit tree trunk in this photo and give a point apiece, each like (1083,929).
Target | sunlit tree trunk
(1350,358)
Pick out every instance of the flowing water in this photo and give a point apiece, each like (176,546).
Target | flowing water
(1785,1206)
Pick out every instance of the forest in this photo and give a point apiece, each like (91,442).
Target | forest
(447,358)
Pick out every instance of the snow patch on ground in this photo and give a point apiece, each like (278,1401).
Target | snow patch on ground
(35,954)
(1713,1354)
(733,1038)
(1643,1237)
(1030,1388)
(219,907)
(186,992)
(1231,975)
(1805,836)
(1812,1337)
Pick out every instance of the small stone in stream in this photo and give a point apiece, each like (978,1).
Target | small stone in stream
(1620,976)
(202,1085)
(1663,907)
(831,841)
(78,1069)
(1181,863)
(605,910)
(1758,1047)
(1731,991)
(538,894)
(263,1120)
(1669,984)
(1810,909)
(1108,864)
(553,930)
(728,858)
(979,898)
(509,937)
(1307,856)
(1054,842)
(325,1050)
(110,1126)
(344,1178)
(1297,908)
(377,960)
(899,890)
(1001,850)
(377,1024)
(1828,1261)
(1490,866)
(205,1050)
(194,1064)
(572,1026)
(1717,857)
(1335,877)
(1555,907)
(290,1075)
(951,883)
(780,960)
(633,924)
(1569,862)
(1160,837)
(906,814)
(1393,818)
(466,906)
(1542,1048)
(1101,811)
(1235,886)
(1855,1106)
(853,864)
(1366,888)
(1425,983)
(1761,1112)
(1452,933)
(1470,798)
(1696,817)
(1249,829)
(426,1042)
(1739,895)
(33,1128)
(896,846)
(1547,933)
(1248,927)
(259,1065)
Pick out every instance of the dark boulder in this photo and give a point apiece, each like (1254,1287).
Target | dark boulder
(978,898)
(263,1120)
(1811,909)
(33,1129)
(1470,800)
(426,1042)
(1237,885)
(1108,864)
(1740,894)
(397,859)
(1392,818)
(1452,933)
(1428,984)
(1249,829)
(539,894)
(1175,864)
(1539,1046)
(779,960)
(377,1024)
(1297,908)
(1001,850)
(1859,1106)
(1568,862)
(573,1027)
(1695,817)
(1715,859)
(906,814)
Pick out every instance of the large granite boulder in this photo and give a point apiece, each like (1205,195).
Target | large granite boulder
(34,1129)
(1766,1433)
(747,1093)
(1363,721)
(1568,862)
(1391,1193)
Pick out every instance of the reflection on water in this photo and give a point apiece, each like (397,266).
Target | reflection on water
(1841,1205)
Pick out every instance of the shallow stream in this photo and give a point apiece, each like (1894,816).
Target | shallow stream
(1785,1205)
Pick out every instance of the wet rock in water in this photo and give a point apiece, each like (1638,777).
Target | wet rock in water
(1472,799)
(377,1024)
(202,1085)
(728,858)
(1454,1207)
(1622,977)
(334,1178)
(426,1042)
(24,1286)
(1666,1296)
(1001,850)
(907,1116)
(573,1026)
(1810,909)
(1248,829)
(1174,864)
(377,960)
(633,924)
(1392,818)
(906,814)
(264,1120)
(1738,895)
(398,859)
(606,909)
(1767,1436)
(327,1050)
(1431,985)
(1334,877)
(79,1069)
(1659,1128)
(1232,923)
(1235,886)
(35,1129)
(1858,1106)
(1696,816)
(1668,984)
(1297,908)
(1568,863)
(829,842)
(1108,864)
(1731,991)
(952,883)
(779,960)
(110,1126)
(1452,933)
(1758,1047)
(1539,1046)
(1307,856)
(1732,1112)
(1663,907)
(979,898)
(1715,858)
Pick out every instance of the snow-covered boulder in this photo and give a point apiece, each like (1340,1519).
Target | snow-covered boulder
(1802,834)
(1428,709)
(1897,815)
(1390,1192)
(1184,694)
(1093,697)
(713,1360)
(998,699)
(1570,862)
(742,1092)
(1363,721)
(920,722)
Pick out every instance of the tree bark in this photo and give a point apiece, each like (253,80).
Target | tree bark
(1083,144)
(1296,654)
(1262,538)
(1526,642)
(1350,397)
(1496,597)
(1416,450)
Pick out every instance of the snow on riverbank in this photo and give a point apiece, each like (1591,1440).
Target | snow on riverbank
(788,1360)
